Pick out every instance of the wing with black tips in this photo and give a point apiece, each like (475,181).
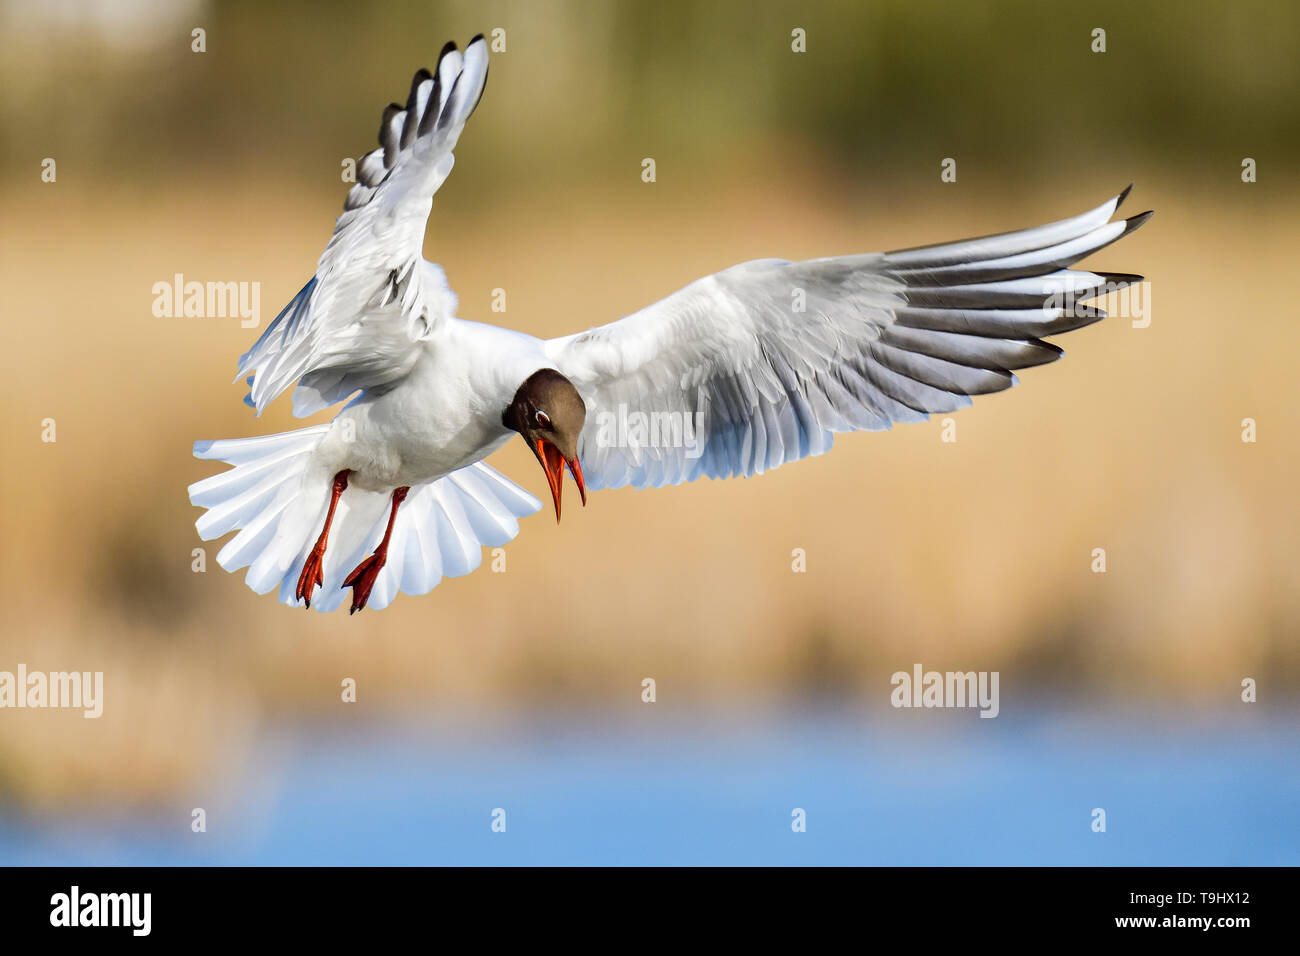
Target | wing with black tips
(355,324)
(762,363)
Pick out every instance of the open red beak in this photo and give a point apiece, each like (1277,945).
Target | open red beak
(553,464)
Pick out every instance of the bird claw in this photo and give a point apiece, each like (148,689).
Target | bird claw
(311,577)
(363,577)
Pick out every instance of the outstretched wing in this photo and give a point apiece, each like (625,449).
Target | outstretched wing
(353,326)
(761,364)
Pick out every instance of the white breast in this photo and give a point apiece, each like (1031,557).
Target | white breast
(444,416)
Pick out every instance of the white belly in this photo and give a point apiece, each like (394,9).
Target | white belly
(444,416)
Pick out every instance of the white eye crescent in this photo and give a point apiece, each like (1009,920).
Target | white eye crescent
(543,420)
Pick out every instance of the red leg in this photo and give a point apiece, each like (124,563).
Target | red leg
(362,578)
(311,577)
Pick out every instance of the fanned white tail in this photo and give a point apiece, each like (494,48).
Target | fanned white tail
(277,498)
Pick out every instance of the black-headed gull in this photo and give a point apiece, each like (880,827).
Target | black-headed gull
(737,373)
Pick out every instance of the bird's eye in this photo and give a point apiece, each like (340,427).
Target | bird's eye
(543,420)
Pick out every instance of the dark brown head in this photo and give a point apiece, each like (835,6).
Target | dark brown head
(549,413)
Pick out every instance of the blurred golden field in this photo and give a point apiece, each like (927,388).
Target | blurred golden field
(950,554)
(968,555)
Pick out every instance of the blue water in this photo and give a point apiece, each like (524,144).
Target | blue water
(894,788)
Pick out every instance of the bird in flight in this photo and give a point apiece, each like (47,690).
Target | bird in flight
(735,374)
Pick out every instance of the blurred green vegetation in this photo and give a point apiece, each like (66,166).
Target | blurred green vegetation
(1012,88)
